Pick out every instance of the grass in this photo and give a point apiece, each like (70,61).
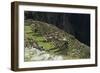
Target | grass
(38,38)
(46,45)
(27,29)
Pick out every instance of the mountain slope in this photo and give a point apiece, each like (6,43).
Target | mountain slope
(51,39)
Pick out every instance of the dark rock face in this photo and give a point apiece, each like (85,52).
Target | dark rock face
(75,24)
(81,26)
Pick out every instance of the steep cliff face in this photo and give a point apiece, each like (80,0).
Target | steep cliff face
(76,24)
(53,40)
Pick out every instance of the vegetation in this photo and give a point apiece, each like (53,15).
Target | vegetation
(54,42)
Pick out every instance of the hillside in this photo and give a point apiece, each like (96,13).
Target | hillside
(46,39)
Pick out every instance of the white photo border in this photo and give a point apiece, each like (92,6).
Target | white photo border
(23,64)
